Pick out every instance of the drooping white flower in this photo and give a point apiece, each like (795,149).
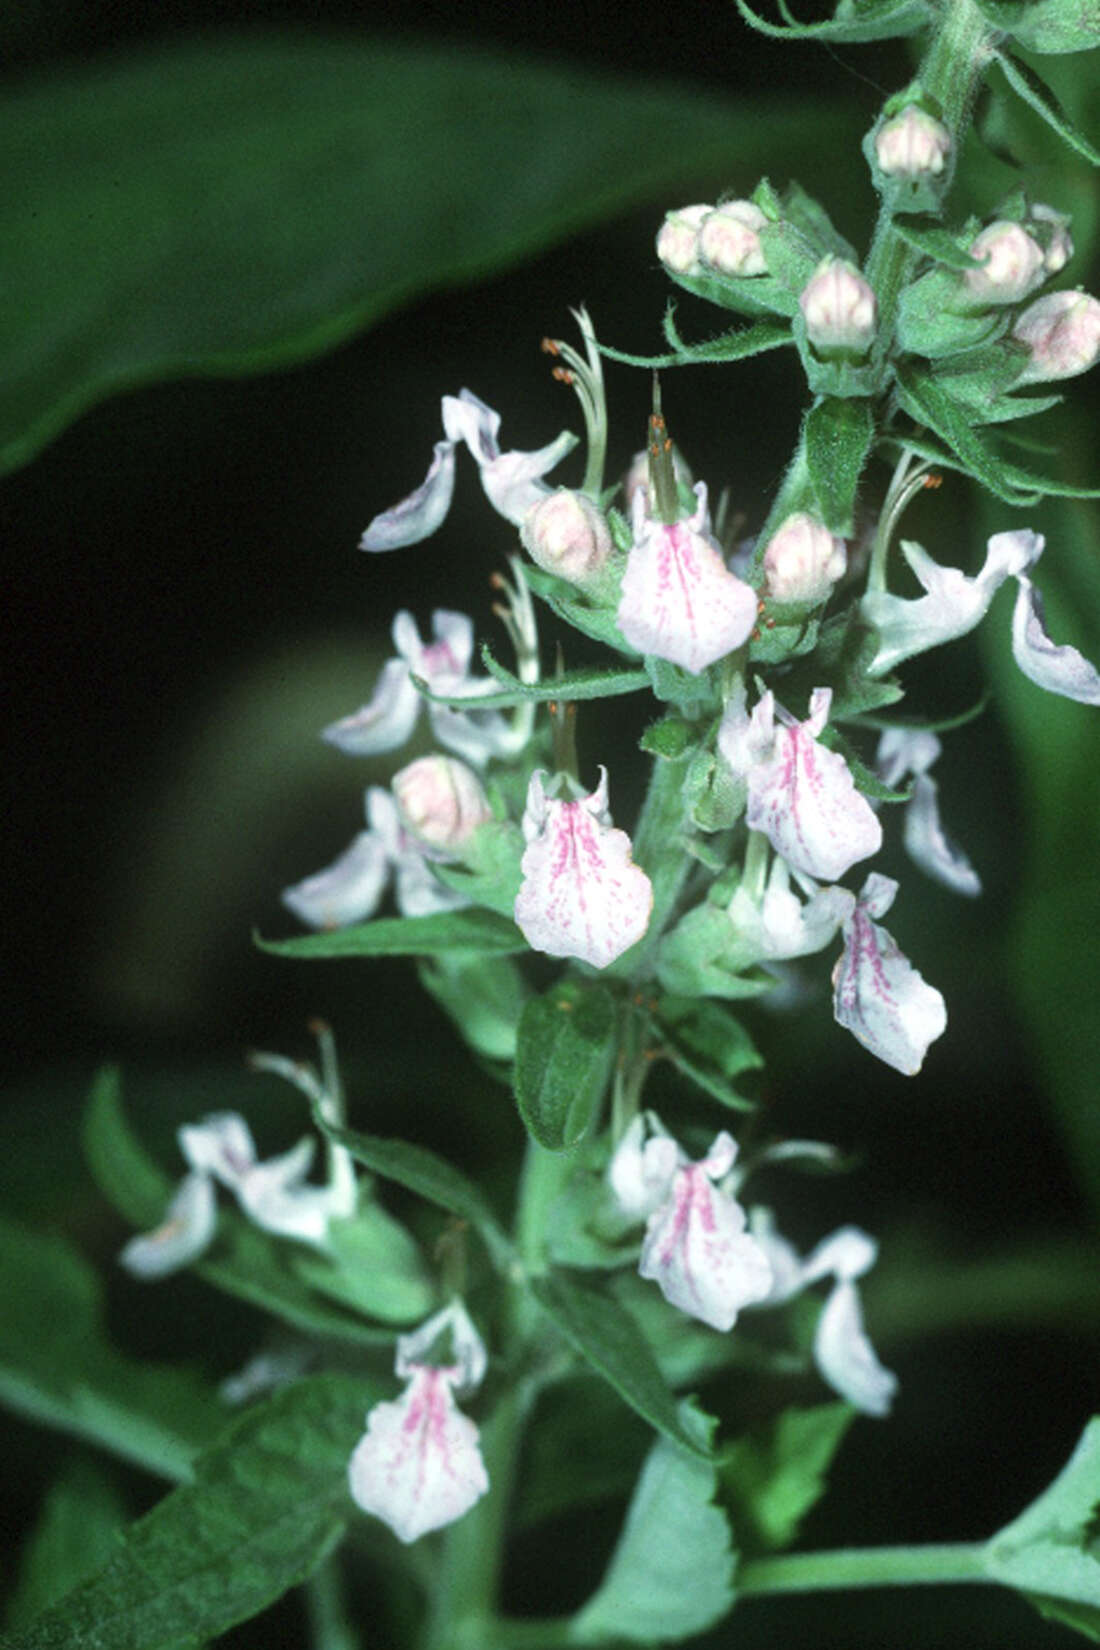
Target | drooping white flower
(778,926)
(347,891)
(952,604)
(800,795)
(418,1467)
(512,480)
(388,718)
(903,751)
(642,1166)
(842,1351)
(679,599)
(877,993)
(185,1232)
(1058,669)
(696,1248)
(274,1192)
(581,895)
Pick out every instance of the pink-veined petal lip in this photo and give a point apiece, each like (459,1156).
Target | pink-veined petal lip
(877,993)
(419,1465)
(679,600)
(182,1236)
(803,798)
(385,722)
(582,895)
(422,513)
(1061,670)
(929,846)
(697,1250)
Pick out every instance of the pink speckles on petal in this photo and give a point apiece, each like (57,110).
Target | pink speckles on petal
(581,895)
(697,1251)
(419,1464)
(679,600)
(877,993)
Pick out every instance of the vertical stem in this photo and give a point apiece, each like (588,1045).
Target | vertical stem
(659,850)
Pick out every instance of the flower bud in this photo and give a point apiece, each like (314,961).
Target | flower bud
(1012,264)
(565,534)
(912,145)
(803,561)
(729,239)
(839,309)
(678,239)
(441,802)
(1062,332)
(1054,232)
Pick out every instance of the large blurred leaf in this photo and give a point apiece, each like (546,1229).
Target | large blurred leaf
(268,1503)
(234,204)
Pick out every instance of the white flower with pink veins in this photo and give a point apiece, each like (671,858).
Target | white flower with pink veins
(877,993)
(582,895)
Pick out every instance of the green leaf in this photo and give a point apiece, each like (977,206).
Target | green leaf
(671,738)
(774,1475)
(483,997)
(485,932)
(1051,1552)
(925,399)
(428,1175)
(607,1337)
(935,243)
(856,21)
(372,1265)
(244,1262)
(563,1061)
(234,205)
(268,1503)
(57,1366)
(737,345)
(708,1045)
(838,436)
(1038,96)
(591,683)
(75,1534)
(1047,25)
(671,1574)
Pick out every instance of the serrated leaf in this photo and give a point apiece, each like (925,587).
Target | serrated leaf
(564,1054)
(485,932)
(837,436)
(773,1476)
(1038,96)
(1039,485)
(589,683)
(709,1045)
(607,1337)
(268,1503)
(425,1173)
(935,243)
(925,400)
(671,1574)
(58,1368)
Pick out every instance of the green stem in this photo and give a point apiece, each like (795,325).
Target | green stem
(939,1563)
(659,850)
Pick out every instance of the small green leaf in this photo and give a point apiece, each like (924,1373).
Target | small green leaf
(1038,96)
(563,1061)
(485,932)
(57,1366)
(925,399)
(935,243)
(268,1503)
(837,436)
(671,1574)
(607,1337)
(483,997)
(122,1169)
(670,739)
(590,683)
(737,345)
(562,598)
(773,1476)
(372,1265)
(855,22)
(708,1045)
(425,1173)
(1047,25)
(1051,1552)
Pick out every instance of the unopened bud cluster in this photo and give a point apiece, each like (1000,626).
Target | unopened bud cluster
(723,240)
